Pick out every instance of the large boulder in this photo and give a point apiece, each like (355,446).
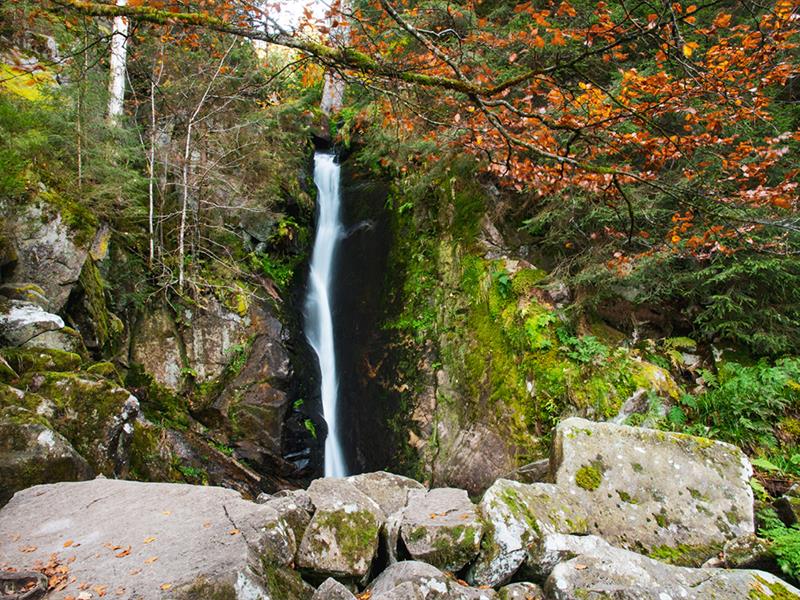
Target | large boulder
(388,490)
(156,346)
(592,568)
(49,253)
(256,399)
(342,538)
(31,453)
(442,528)
(21,322)
(151,541)
(670,495)
(414,580)
(96,416)
(517,514)
(675,497)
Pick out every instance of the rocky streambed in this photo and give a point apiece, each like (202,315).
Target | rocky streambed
(624,513)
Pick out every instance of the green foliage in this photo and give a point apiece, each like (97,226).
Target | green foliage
(278,270)
(742,404)
(785,542)
(585,349)
(310,427)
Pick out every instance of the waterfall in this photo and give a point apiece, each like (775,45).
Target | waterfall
(319,320)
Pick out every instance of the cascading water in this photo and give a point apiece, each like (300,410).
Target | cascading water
(319,320)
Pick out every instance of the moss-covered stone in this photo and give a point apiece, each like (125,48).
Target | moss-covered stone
(101,328)
(31,453)
(37,360)
(97,417)
(106,370)
(7,374)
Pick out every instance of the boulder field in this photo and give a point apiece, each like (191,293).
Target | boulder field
(627,513)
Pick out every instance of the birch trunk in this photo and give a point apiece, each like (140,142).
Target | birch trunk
(119,57)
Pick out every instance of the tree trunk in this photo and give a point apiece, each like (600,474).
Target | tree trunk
(119,57)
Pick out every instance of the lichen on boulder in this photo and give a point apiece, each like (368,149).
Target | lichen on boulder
(442,528)
(342,538)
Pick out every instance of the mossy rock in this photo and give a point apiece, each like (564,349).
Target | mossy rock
(159,403)
(7,374)
(106,370)
(101,329)
(37,360)
(31,453)
(97,417)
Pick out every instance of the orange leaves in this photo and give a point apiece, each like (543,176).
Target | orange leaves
(722,20)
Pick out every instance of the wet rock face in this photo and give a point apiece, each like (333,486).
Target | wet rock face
(674,497)
(153,540)
(442,528)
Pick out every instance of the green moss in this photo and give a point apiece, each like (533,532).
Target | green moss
(105,369)
(106,328)
(159,404)
(763,590)
(589,477)
(356,532)
(149,459)
(78,218)
(417,534)
(208,590)
(283,582)
(685,555)
(84,411)
(525,279)
(626,497)
(7,374)
(33,360)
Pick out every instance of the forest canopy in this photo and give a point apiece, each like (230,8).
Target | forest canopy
(638,138)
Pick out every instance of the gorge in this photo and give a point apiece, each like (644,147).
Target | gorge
(512,314)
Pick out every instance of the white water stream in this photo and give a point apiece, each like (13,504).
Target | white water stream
(319,321)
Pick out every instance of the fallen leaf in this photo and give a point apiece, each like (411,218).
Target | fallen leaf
(124,552)
(150,560)
(233,532)
(580,567)
(100,589)
(207,524)
(28,549)
(166,513)
(120,591)
(149,539)
(134,571)
(166,586)
(68,543)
